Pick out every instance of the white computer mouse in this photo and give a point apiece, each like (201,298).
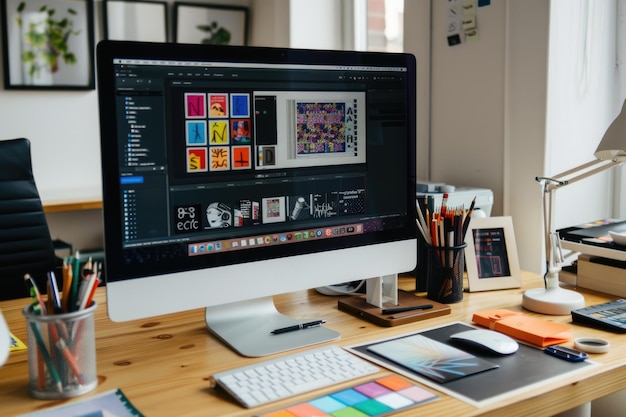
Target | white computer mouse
(488,339)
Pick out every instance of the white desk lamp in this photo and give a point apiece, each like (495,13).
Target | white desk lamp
(553,299)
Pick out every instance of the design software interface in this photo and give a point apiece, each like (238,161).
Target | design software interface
(221,157)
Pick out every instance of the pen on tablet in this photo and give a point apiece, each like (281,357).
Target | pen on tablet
(395,310)
(300,326)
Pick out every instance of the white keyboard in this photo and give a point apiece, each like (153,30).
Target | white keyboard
(289,375)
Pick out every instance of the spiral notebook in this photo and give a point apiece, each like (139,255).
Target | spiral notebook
(107,404)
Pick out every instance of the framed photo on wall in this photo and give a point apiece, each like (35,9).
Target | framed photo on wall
(210,24)
(143,20)
(491,254)
(48,44)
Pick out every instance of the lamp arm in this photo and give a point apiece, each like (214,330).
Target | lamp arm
(554,256)
(580,173)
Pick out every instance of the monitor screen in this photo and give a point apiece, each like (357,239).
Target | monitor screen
(237,173)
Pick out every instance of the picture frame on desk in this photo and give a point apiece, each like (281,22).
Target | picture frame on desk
(48,44)
(210,24)
(130,20)
(491,255)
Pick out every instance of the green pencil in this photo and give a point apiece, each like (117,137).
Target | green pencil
(46,357)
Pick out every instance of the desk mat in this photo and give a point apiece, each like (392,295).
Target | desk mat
(527,368)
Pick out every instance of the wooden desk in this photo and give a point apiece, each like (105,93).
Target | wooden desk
(163,364)
(55,206)
(71,199)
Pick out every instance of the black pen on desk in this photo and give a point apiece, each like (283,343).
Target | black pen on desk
(396,310)
(406,315)
(300,326)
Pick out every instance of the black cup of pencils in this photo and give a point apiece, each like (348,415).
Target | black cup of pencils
(444,271)
(441,254)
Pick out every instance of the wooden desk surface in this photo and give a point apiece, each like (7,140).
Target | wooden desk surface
(71,199)
(55,206)
(163,364)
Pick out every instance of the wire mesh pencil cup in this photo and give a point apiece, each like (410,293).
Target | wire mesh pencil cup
(61,353)
(444,272)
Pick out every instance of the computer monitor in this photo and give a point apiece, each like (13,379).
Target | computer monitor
(232,174)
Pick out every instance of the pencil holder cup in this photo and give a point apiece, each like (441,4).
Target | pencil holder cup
(61,353)
(444,271)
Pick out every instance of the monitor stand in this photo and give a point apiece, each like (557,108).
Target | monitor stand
(246,327)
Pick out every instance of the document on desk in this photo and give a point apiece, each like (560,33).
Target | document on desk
(431,358)
(110,403)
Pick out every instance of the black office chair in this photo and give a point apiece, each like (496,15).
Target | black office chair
(25,242)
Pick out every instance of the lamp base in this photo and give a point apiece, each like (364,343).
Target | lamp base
(556,301)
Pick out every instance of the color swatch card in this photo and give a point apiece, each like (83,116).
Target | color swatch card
(375,398)
(430,358)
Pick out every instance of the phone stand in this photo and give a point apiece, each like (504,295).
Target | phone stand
(383,292)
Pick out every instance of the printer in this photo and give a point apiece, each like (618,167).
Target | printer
(457,196)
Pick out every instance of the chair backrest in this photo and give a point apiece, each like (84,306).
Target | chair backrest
(25,242)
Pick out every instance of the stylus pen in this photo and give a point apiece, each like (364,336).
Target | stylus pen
(300,326)
(403,309)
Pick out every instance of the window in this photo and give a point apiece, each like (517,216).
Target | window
(385,25)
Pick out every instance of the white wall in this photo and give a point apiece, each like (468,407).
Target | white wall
(316,24)
(584,96)
(487,106)
(467,97)
(527,31)
(269,22)
(417,38)
(63,128)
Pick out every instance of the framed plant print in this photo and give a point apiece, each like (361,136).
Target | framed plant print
(143,21)
(210,24)
(48,44)
(491,254)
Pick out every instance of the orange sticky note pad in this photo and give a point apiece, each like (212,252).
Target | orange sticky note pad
(393,383)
